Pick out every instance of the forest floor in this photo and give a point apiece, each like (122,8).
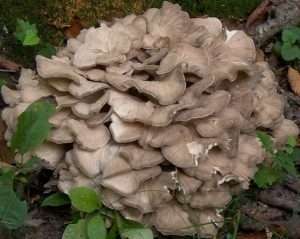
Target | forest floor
(260,212)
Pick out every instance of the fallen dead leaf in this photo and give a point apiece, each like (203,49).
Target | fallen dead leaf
(74,29)
(8,65)
(294,80)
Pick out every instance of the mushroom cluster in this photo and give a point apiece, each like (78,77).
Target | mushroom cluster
(159,113)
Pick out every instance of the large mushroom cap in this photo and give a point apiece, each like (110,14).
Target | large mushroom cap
(157,111)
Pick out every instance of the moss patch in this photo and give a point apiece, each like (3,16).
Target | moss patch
(53,16)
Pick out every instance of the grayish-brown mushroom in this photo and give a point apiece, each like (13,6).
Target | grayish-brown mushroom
(158,112)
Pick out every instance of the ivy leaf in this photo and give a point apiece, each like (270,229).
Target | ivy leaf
(96,228)
(84,199)
(32,127)
(290,52)
(266,141)
(76,231)
(26,33)
(13,211)
(56,200)
(267,176)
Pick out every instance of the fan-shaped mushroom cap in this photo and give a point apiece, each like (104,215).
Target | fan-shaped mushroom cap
(133,110)
(188,185)
(153,194)
(124,132)
(10,97)
(212,199)
(85,88)
(48,68)
(139,158)
(172,219)
(82,134)
(128,183)
(111,199)
(51,153)
(102,43)
(213,25)
(85,111)
(214,103)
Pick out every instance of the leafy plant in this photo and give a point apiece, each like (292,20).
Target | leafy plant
(91,223)
(27,33)
(32,129)
(283,161)
(289,45)
(13,211)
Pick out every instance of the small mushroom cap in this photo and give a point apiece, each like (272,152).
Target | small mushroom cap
(139,158)
(111,199)
(82,134)
(124,132)
(10,97)
(153,194)
(100,43)
(212,199)
(167,90)
(128,183)
(50,153)
(85,88)
(212,24)
(133,110)
(187,184)
(172,219)
(48,68)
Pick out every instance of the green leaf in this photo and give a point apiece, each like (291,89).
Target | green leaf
(7,178)
(142,233)
(47,50)
(76,231)
(32,127)
(289,52)
(56,200)
(30,166)
(84,199)
(289,36)
(266,141)
(13,211)
(267,176)
(284,162)
(26,33)
(96,228)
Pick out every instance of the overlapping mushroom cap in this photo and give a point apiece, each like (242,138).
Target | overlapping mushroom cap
(159,113)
